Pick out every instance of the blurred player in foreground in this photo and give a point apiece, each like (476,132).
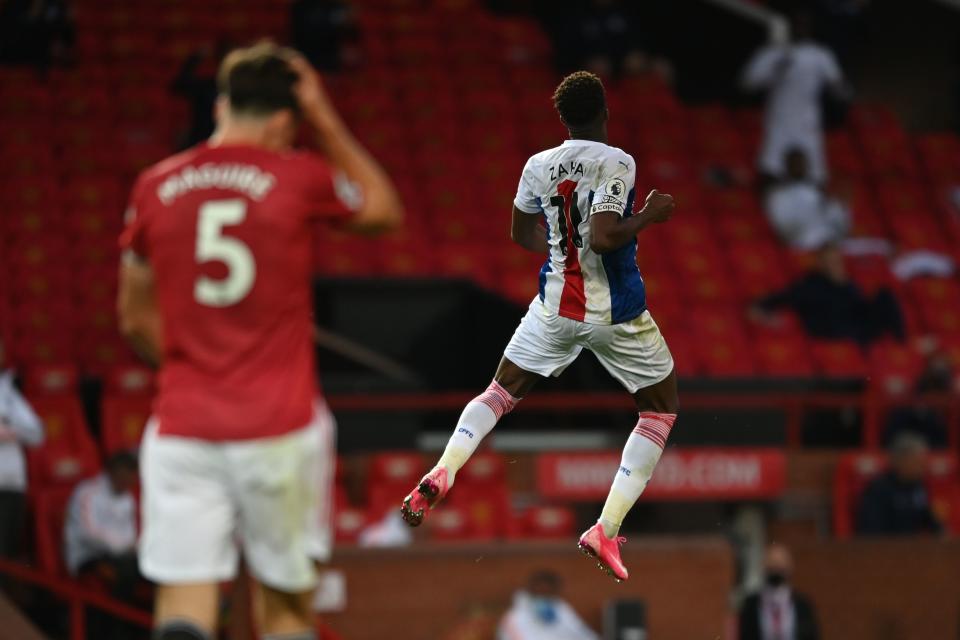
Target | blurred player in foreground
(591,296)
(215,289)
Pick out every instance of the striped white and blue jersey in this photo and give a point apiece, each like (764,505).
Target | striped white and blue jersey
(568,184)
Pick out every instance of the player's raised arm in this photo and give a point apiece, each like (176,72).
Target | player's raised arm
(381,208)
(609,232)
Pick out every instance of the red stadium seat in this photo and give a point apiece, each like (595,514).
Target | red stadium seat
(839,360)
(757,267)
(894,367)
(450,523)
(483,496)
(27,160)
(42,348)
(102,192)
(844,158)
(51,378)
(101,351)
(21,99)
(348,523)
(130,379)
(68,453)
(390,477)
(783,356)
(37,192)
(123,418)
(726,358)
(466,261)
(548,523)
(483,470)
(49,515)
(940,155)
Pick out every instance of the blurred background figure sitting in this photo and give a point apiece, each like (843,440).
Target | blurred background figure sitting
(100,531)
(803,215)
(540,613)
(321,30)
(832,307)
(898,502)
(19,427)
(794,76)
(777,612)
(919,417)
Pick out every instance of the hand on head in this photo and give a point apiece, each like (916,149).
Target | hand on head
(311,95)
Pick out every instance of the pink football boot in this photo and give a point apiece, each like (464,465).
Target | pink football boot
(431,490)
(596,544)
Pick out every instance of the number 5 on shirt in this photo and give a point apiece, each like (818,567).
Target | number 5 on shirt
(212,244)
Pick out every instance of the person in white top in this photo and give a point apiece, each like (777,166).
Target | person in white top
(574,205)
(794,77)
(19,427)
(100,531)
(539,613)
(801,212)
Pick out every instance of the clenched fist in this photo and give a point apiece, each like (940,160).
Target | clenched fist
(658,206)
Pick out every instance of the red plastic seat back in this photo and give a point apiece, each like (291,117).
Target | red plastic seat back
(548,522)
(68,452)
(390,477)
(122,421)
(450,523)
(50,512)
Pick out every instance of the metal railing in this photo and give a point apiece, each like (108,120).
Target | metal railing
(795,405)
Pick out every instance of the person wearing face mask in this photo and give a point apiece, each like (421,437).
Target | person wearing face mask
(539,613)
(778,612)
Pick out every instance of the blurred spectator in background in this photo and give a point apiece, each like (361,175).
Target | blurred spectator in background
(919,417)
(100,532)
(19,426)
(196,82)
(898,501)
(600,36)
(832,307)
(778,612)
(802,214)
(539,613)
(321,29)
(794,77)
(35,32)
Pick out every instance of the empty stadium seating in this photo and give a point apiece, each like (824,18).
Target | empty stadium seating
(442,124)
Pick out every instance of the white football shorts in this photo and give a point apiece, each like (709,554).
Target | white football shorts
(633,352)
(203,501)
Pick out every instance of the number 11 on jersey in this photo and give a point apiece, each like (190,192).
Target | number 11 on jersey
(568,214)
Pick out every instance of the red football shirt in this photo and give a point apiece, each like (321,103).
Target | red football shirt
(228,232)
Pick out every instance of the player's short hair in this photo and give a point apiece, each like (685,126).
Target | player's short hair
(258,80)
(580,99)
(122,461)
